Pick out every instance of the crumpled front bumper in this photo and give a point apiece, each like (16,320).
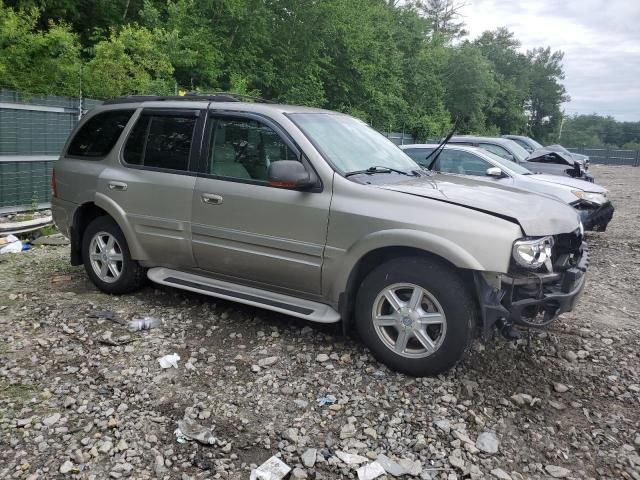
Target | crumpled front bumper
(598,218)
(531,300)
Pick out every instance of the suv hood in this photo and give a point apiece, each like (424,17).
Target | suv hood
(561,156)
(537,215)
(574,183)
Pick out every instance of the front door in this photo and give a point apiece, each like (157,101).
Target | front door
(243,227)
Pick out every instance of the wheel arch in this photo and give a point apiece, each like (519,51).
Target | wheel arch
(376,256)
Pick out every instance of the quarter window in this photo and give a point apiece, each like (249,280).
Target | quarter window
(244,149)
(161,141)
(99,134)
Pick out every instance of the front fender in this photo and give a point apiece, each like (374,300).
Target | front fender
(340,263)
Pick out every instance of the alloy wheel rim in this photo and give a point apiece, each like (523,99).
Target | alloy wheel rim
(105,254)
(409,320)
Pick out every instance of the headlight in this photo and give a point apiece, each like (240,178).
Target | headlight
(533,253)
(597,198)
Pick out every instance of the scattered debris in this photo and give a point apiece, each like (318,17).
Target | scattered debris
(370,471)
(144,323)
(169,361)
(190,430)
(488,442)
(326,400)
(272,469)
(10,244)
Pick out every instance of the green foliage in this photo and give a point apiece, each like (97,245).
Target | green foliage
(397,65)
(598,131)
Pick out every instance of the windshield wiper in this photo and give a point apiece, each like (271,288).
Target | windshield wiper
(438,150)
(377,169)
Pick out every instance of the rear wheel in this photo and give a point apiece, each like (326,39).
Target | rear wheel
(415,315)
(107,260)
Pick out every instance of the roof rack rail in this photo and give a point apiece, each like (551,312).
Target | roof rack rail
(207,97)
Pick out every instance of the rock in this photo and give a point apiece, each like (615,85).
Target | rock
(560,387)
(421,443)
(106,447)
(350,458)
(370,471)
(557,405)
(322,357)
(51,419)
(413,467)
(158,466)
(291,434)
(68,401)
(444,425)
(391,467)
(348,431)
(557,472)
(488,442)
(266,362)
(500,474)
(571,356)
(370,432)
(309,457)
(522,399)
(298,473)
(636,442)
(456,462)
(66,467)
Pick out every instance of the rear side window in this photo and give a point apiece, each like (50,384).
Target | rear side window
(99,134)
(161,141)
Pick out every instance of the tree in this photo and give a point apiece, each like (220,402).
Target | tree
(36,61)
(546,93)
(443,16)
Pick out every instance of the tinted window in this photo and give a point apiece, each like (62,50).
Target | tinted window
(99,134)
(419,155)
(161,141)
(497,150)
(244,148)
(523,144)
(463,163)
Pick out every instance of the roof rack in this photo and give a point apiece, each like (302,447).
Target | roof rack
(207,97)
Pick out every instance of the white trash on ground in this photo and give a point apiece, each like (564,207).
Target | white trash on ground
(169,361)
(144,323)
(190,430)
(10,244)
(272,469)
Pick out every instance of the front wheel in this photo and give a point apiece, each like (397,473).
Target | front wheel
(415,315)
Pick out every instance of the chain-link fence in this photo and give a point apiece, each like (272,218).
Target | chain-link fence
(610,156)
(33,130)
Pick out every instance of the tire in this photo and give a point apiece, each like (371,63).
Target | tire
(122,274)
(438,331)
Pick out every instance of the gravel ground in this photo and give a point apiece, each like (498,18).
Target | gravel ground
(81,397)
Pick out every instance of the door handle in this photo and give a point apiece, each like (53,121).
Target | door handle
(121,186)
(211,199)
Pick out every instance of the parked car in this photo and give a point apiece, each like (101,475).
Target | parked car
(314,214)
(530,145)
(590,200)
(543,161)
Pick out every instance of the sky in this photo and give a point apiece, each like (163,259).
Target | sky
(600,40)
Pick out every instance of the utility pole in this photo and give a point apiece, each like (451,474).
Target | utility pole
(561,124)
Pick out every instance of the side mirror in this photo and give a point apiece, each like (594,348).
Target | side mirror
(494,172)
(289,174)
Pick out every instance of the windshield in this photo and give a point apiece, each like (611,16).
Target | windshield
(516,150)
(507,164)
(349,144)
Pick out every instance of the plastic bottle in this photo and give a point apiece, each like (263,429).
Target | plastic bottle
(144,323)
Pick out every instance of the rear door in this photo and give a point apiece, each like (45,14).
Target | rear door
(154,183)
(245,229)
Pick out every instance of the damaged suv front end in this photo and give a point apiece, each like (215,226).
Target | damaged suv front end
(545,279)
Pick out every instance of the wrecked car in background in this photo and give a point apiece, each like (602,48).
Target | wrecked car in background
(590,200)
(314,214)
(530,145)
(540,161)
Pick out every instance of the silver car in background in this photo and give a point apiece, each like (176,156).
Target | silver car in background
(590,200)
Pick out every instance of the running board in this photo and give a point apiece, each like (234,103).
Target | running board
(312,311)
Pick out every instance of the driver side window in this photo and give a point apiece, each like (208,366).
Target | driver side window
(244,148)
(462,163)
(501,152)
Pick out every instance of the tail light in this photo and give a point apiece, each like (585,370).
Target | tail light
(54,185)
